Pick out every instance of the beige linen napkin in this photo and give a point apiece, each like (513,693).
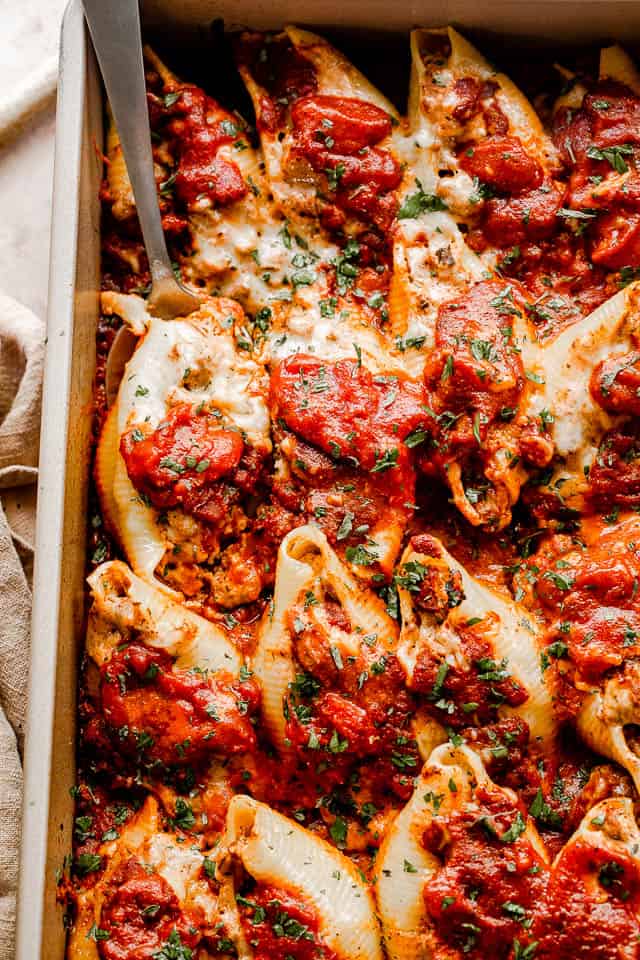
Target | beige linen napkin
(21,359)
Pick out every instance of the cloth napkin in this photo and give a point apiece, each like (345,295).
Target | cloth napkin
(21,361)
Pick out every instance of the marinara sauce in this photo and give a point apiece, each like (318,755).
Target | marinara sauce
(491,877)
(159,713)
(338,137)
(592,598)
(351,414)
(279,926)
(589,908)
(184,459)
(141,914)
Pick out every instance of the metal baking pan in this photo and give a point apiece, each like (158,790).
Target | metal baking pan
(58,612)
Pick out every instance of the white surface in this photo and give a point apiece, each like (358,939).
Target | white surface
(30,34)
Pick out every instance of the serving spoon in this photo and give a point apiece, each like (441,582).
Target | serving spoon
(115,31)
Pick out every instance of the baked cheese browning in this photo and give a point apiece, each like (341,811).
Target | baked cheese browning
(360,670)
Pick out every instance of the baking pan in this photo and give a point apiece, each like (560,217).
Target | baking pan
(58,612)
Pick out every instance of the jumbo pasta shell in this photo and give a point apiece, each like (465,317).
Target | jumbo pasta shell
(276,850)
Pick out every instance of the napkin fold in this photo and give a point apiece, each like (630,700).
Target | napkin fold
(21,362)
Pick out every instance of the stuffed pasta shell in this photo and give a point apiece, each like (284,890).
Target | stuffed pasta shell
(146,892)
(183,448)
(325,130)
(471,654)
(587,391)
(332,686)
(345,435)
(463,872)
(591,905)
(460,850)
(589,595)
(484,432)
(293,891)
(334,154)
(539,205)
(166,687)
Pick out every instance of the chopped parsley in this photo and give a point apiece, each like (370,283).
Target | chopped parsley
(418,203)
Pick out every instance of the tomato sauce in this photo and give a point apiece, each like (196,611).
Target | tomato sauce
(157,713)
(346,707)
(283,72)
(560,279)
(598,144)
(351,507)
(141,915)
(615,384)
(593,597)
(614,475)
(475,380)
(435,589)
(503,163)
(569,231)
(199,127)
(351,414)
(180,462)
(101,815)
(458,695)
(521,203)
(490,881)
(338,137)
(589,909)
(474,371)
(505,751)
(280,926)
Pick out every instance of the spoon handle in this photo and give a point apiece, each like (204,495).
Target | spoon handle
(114,26)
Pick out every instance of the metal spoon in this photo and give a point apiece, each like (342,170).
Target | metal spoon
(114,26)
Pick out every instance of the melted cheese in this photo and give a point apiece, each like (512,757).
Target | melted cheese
(566,366)
(196,360)
(193,360)
(256,260)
